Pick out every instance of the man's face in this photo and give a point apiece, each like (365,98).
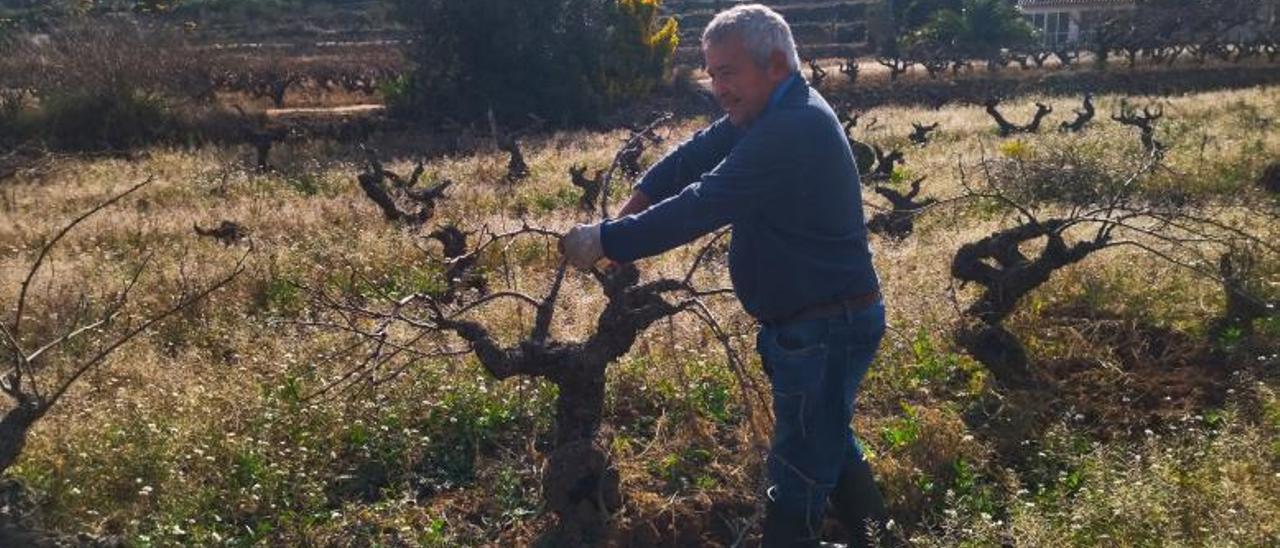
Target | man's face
(741,87)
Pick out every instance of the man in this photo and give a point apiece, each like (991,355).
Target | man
(779,169)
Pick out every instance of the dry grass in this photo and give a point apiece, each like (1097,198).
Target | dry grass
(197,435)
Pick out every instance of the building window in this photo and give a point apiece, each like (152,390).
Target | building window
(1090,21)
(1054,27)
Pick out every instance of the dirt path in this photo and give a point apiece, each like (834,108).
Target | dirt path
(316,112)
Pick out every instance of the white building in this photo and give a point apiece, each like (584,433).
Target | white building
(1068,21)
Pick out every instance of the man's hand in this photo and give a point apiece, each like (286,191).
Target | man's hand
(582,246)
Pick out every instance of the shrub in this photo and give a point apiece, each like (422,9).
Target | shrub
(90,121)
(94,84)
(12,106)
(564,60)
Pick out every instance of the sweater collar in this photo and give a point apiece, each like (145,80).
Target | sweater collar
(782,89)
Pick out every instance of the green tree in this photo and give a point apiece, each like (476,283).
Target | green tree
(980,28)
(890,20)
(641,44)
(563,60)
(913,14)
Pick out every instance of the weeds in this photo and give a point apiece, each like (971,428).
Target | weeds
(205,435)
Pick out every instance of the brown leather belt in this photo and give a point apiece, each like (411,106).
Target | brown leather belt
(847,305)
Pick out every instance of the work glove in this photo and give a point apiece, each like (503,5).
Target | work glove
(582,246)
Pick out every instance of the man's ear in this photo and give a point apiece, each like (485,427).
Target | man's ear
(778,67)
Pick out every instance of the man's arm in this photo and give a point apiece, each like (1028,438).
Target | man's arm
(686,163)
(638,202)
(752,174)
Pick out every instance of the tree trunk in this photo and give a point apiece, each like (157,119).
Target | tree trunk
(13,432)
(999,351)
(579,482)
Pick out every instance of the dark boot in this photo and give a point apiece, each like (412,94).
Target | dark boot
(783,530)
(855,501)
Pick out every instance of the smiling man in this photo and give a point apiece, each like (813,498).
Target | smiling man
(778,168)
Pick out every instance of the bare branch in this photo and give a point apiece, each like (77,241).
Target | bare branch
(702,254)
(493,297)
(399,371)
(590,187)
(897,66)
(1083,116)
(1167,258)
(12,380)
(379,340)
(44,251)
(736,364)
(129,335)
(542,322)
(1129,116)
(1007,128)
(12,341)
(711,292)
(401,191)
(71,335)
(920,132)
(377,360)
(637,137)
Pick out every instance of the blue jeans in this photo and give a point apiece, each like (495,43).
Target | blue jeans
(815,367)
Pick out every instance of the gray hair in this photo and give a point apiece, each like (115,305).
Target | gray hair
(763,30)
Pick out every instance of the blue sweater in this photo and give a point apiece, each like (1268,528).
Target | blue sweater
(788,184)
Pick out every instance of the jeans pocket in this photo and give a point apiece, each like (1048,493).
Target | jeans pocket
(797,364)
(800,340)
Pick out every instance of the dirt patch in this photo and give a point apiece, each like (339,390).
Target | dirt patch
(1123,378)
(711,521)
(1149,376)
(20,523)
